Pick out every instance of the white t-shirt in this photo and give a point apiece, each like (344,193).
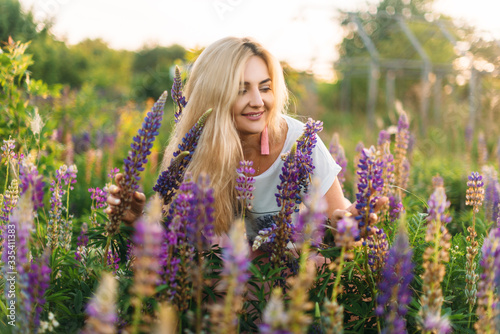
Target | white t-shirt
(264,202)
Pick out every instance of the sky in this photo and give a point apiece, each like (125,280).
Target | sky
(303,33)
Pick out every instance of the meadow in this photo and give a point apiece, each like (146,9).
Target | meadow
(429,264)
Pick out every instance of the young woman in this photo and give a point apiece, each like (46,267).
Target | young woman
(244,85)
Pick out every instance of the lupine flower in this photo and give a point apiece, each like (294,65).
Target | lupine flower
(137,158)
(401,162)
(378,247)
(30,179)
(395,294)
(498,152)
(170,179)
(482,149)
(39,282)
(310,224)
(59,228)
(101,310)
(295,175)
(234,279)
(189,224)
(434,258)
(474,197)
(147,248)
(176,93)
(338,154)
(8,150)
(395,208)
(387,161)
(98,197)
(299,306)
(487,299)
(21,223)
(333,317)
(475,191)
(491,193)
(244,184)
(347,232)
(81,243)
(370,185)
(275,320)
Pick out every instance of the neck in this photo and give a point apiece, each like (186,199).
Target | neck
(250,145)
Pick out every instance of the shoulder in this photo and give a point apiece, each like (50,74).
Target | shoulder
(295,127)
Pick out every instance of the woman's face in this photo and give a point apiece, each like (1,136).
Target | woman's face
(255,98)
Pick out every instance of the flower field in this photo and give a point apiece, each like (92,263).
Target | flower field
(428,264)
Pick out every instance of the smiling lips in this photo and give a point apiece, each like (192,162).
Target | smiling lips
(254,115)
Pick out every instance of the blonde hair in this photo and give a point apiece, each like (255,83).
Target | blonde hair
(214,83)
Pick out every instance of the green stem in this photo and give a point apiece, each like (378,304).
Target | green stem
(137,315)
(7,175)
(106,249)
(340,267)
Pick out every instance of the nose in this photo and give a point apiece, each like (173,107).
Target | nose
(256,99)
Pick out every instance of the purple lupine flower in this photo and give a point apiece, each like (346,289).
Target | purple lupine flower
(20,227)
(387,161)
(401,162)
(395,208)
(309,226)
(475,191)
(235,274)
(189,224)
(137,158)
(378,247)
(369,186)
(491,194)
(244,183)
(29,178)
(338,154)
(434,259)
(295,175)
(147,240)
(347,232)
(275,319)
(99,196)
(395,293)
(383,138)
(112,173)
(81,243)
(176,93)
(39,282)
(170,179)
(101,309)
(487,299)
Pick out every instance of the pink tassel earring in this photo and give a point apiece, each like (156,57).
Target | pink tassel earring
(264,142)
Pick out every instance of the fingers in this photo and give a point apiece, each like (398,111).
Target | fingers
(380,203)
(140,197)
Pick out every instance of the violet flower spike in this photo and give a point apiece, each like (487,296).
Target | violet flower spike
(147,249)
(39,282)
(30,179)
(434,259)
(487,300)
(101,310)
(176,94)
(491,193)
(170,179)
(137,158)
(244,184)
(370,184)
(395,293)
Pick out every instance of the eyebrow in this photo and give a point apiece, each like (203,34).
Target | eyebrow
(260,83)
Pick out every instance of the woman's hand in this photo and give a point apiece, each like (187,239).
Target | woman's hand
(113,199)
(352,211)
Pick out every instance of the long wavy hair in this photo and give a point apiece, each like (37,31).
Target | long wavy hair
(214,82)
